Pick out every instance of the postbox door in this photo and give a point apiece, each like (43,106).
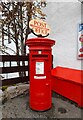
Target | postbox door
(41,83)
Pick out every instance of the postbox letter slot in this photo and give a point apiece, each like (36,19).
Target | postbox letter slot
(43,56)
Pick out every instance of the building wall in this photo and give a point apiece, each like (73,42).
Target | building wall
(63,18)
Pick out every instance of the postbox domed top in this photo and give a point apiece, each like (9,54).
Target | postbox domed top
(40,42)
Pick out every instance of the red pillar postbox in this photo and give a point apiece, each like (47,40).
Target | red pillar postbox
(40,58)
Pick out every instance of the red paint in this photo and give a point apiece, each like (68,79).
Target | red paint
(81,49)
(81,55)
(40,83)
(81,38)
(68,82)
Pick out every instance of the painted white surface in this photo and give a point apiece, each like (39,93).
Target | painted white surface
(63,18)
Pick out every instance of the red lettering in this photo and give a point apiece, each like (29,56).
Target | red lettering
(44,31)
(37,30)
(39,27)
(35,23)
(44,25)
(39,24)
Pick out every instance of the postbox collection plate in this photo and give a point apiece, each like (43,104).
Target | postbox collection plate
(39,67)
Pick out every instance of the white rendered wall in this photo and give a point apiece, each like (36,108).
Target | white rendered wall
(63,18)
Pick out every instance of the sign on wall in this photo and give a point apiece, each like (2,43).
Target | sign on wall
(39,27)
(80,41)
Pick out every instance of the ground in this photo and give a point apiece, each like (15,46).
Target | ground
(18,107)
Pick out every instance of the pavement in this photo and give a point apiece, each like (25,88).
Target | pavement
(18,107)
